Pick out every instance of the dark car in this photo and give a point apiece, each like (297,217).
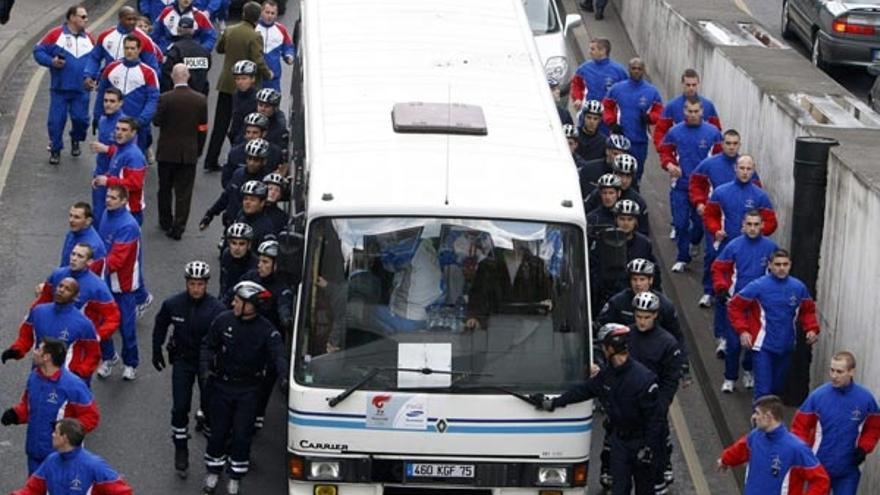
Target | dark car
(837,32)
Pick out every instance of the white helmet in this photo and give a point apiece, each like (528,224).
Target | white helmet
(646,301)
(627,207)
(593,107)
(625,164)
(197,270)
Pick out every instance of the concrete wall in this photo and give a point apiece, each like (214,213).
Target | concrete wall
(752,88)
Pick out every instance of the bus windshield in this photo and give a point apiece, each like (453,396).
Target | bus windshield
(500,303)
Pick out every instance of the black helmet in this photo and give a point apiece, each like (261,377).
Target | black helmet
(244,68)
(197,270)
(640,266)
(618,142)
(609,180)
(254,188)
(240,230)
(646,301)
(625,164)
(251,292)
(627,207)
(257,119)
(268,249)
(593,107)
(615,336)
(257,148)
(269,96)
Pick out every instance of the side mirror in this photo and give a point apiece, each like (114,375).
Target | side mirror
(874,70)
(571,21)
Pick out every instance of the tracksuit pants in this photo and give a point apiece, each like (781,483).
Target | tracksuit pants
(770,370)
(127,329)
(232,410)
(688,224)
(184,374)
(846,484)
(64,103)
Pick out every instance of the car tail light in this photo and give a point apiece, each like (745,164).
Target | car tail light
(851,25)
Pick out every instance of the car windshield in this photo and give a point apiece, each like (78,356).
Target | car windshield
(542,16)
(499,303)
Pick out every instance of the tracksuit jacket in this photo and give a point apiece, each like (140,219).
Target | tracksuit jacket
(730,202)
(191,319)
(128,168)
(152,8)
(50,398)
(779,462)
(743,259)
(76,50)
(88,235)
(687,146)
(711,173)
(625,103)
(673,113)
(94,298)
(835,421)
(277,44)
(67,323)
(122,269)
(165,28)
(594,78)
(139,84)
(106,133)
(109,48)
(769,309)
(76,472)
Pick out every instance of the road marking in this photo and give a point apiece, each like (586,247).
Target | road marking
(741,5)
(27,103)
(687,448)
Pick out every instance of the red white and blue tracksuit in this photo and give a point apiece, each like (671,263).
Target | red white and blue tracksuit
(165,29)
(67,323)
(88,235)
(686,146)
(122,271)
(139,84)
(48,399)
(94,298)
(673,113)
(109,48)
(106,133)
(128,168)
(834,422)
(76,472)
(779,462)
(770,309)
(743,259)
(68,96)
(277,45)
(594,78)
(625,104)
(710,174)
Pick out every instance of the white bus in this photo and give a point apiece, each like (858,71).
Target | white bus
(444,270)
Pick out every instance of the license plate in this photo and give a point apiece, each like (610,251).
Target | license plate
(426,470)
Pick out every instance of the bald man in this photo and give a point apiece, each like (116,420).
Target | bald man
(182,119)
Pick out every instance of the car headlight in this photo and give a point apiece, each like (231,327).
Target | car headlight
(324,470)
(556,68)
(552,476)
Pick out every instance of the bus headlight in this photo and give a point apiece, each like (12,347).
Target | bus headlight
(556,68)
(552,476)
(324,470)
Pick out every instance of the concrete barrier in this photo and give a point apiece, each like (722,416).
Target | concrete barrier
(772,94)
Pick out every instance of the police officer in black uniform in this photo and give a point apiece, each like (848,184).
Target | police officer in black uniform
(237,257)
(235,354)
(189,52)
(253,212)
(191,313)
(624,167)
(630,395)
(228,204)
(256,125)
(608,187)
(658,350)
(269,105)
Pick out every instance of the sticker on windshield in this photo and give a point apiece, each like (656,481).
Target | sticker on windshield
(397,411)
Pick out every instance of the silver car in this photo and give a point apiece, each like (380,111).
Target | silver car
(552,38)
(837,32)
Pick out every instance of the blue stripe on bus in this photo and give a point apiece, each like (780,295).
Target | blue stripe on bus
(452,428)
(451,420)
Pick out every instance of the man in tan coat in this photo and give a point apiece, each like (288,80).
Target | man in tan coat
(182,118)
(239,42)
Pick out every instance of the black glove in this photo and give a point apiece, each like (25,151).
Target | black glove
(10,354)
(9,417)
(536,400)
(858,456)
(645,456)
(94,126)
(645,118)
(616,129)
(158,360)
(206,220)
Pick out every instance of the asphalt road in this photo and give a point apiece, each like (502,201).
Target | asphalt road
(769,12)
(134,433)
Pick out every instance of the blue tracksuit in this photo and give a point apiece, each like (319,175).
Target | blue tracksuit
(625,104)
(106,133)
(673,113)
(152,8)
(67,93)
(728,205)
(594,78)
(686,146)
(165,29)
(277,45)
(834,422)
(139,84)
(88,235)
(74,473)
(216,9)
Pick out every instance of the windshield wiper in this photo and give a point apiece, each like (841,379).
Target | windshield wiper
(334,401)
(524,398)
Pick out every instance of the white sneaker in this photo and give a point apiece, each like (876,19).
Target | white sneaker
(748,380)
(705,301)
(129,373)
(672,233)
(720,348)
(106,367)
(679,266)
(232,487)
(727,386)
(210,483)
(141,309)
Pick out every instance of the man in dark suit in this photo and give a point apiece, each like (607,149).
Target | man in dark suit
(182,118)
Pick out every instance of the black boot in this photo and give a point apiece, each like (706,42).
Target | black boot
(74,148)
(55,157)
(181,461)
